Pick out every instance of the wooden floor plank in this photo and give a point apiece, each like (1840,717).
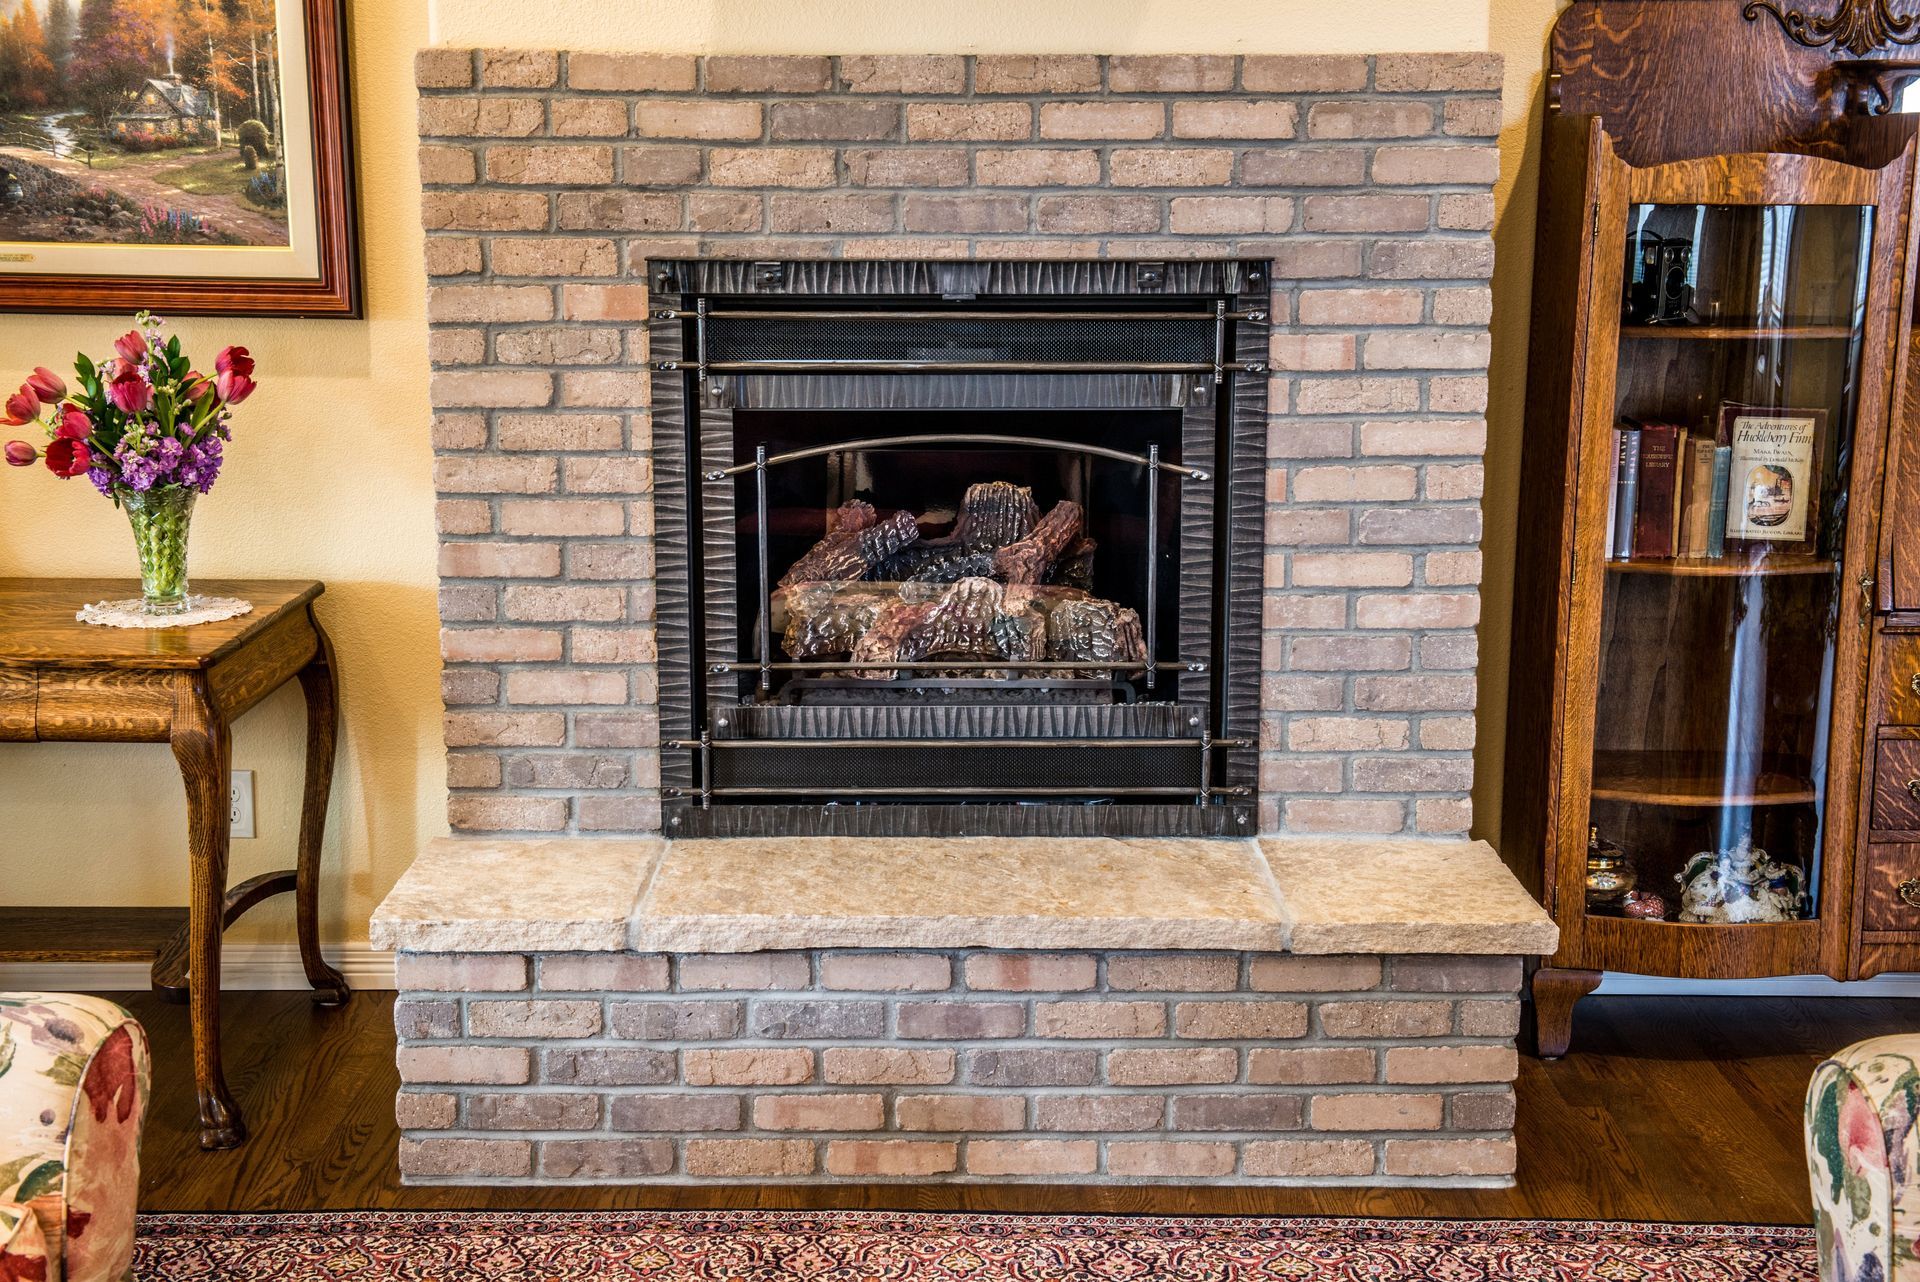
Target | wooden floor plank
(1670,1108)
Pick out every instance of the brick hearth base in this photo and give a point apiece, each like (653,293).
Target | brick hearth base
(967,1065)
(1089,1011)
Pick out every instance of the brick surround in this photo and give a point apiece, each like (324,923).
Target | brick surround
(551,178)
(1083,1067)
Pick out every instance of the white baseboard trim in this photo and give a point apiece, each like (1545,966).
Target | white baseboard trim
(276,967)
(1618,985)
(263,967)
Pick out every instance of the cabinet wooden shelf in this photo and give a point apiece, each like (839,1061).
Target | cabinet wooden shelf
(1668,779)
(1733,333)
(1723,567)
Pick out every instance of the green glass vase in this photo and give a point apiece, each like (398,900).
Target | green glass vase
(161,519)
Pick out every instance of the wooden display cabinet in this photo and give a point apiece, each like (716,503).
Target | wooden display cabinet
(1689,704)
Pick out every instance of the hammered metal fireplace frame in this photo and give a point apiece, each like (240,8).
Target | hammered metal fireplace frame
(1192,763)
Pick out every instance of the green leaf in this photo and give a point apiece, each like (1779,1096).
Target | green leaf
(83,367)
(44,1178)
(10,1171)
(1826,1133)
(66,1069)
(6,1048)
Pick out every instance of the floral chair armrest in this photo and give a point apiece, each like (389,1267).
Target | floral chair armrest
(74,1081)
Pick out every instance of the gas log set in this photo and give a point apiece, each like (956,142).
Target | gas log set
(1004,582)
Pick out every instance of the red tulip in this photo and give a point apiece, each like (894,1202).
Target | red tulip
(131,346)
(196,385)
(128,388)
(68,458)
(21,454)
(235,359)
(74,425)
(22,407)
(47,385)
(234,387)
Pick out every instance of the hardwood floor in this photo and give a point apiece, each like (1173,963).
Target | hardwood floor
(1682,1109)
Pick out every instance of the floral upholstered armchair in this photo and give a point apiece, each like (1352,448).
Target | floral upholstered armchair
(74,1074)
(1863,1154)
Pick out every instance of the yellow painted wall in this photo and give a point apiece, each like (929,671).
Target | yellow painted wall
(330,472)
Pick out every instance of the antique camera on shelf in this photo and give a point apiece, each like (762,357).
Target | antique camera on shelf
(1658,292)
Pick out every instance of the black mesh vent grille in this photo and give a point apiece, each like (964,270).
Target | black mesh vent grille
(915,769)
(1017,338)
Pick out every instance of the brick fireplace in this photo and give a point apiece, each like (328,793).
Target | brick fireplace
(586,1001)
(552,179)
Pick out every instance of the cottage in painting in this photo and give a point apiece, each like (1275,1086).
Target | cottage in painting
(167,112)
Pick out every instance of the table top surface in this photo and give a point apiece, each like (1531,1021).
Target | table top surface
(38,628)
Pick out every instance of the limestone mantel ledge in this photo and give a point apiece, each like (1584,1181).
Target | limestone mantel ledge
(1304,895)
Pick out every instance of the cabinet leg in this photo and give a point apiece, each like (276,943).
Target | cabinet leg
(323,716)
(203,747)
(1555,993)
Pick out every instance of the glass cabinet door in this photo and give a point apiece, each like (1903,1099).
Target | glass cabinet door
(1726,512)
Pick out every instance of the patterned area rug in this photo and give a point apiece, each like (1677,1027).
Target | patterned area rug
(747,1246)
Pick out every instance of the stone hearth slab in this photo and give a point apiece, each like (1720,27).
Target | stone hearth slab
(473,895)
(743,895)
(1320,896)
(1404,897)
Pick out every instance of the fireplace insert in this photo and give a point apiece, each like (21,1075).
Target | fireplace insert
(955,548)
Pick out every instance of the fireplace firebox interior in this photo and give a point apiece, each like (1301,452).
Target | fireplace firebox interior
(969,548)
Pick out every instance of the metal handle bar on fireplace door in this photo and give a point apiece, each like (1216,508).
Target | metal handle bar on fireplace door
(883,442)
(762,461)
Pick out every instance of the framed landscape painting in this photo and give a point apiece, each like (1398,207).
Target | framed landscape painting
(187,156)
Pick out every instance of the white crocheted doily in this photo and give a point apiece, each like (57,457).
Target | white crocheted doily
(133,613)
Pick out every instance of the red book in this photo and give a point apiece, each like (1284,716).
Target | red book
(1655,523)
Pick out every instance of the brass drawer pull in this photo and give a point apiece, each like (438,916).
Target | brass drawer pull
(1910,892)
(1913,789)
(1914,684)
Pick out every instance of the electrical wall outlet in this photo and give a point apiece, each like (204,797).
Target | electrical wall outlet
(240,803)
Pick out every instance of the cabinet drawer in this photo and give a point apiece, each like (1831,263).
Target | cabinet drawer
(1901,651)
(1896,786)
(1890,869)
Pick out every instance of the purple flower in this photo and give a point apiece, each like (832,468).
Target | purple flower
(200,467)
(102,479)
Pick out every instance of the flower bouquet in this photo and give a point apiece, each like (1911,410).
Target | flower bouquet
(147,429)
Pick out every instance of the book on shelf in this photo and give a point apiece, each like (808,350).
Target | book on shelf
(1626,492)
(1716,544)
(1773,478)
(1657,515)
(1696,496)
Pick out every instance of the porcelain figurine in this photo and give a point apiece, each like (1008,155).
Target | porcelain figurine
(1645,905)
(1743,884)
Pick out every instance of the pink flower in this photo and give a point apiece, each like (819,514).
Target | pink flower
(128,388)
(68,458)
(131,346)
(1861,1136)
(22,407)
(233,358)
(74,424)
(21,454)
(47,385)
(234,386)
(196,386)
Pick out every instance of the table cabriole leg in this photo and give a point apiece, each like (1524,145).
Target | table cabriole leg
(323,719)
(203,747)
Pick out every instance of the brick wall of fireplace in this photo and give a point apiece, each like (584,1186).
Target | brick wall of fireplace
(552,177)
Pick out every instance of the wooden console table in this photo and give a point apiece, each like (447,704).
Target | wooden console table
(61,679)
